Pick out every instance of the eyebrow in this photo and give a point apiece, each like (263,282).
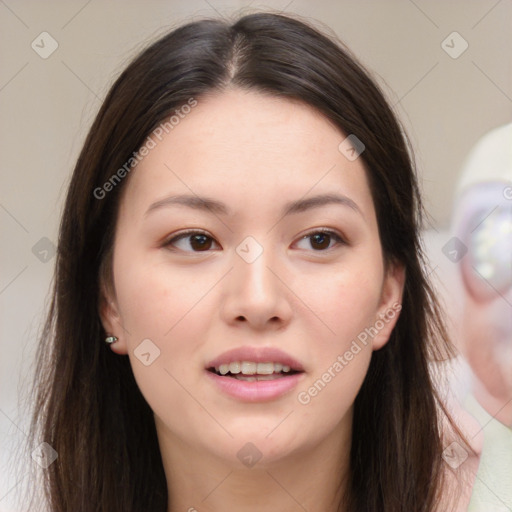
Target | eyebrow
(212,205)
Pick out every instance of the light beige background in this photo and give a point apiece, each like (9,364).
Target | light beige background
(47,105)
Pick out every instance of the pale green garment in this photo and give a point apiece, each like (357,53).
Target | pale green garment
(492,491)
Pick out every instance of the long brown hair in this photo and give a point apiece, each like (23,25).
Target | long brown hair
(88,406)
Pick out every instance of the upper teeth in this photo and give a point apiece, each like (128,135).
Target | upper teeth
(250,368)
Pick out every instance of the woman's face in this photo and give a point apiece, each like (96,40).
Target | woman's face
(256,178)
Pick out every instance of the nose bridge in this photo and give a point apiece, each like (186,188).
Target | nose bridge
(251,269)
(255,292)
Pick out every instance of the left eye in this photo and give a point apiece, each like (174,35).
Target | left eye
(321,240)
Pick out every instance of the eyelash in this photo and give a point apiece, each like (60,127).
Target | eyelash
(338,238)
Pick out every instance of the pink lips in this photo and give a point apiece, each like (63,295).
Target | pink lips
(256,391)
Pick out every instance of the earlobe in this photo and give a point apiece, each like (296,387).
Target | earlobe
(390,304)
(111,321)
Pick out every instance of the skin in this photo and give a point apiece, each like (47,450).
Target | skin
(254,153)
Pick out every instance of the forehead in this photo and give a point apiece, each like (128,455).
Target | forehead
(247,146)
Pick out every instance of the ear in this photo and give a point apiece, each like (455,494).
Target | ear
(111,319)
(390,304)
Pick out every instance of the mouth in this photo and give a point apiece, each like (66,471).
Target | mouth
(255,374)
(251,371)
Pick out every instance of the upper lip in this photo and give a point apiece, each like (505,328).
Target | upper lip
(256,355)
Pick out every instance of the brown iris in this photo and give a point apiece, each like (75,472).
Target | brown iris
(200,242)
(321,239)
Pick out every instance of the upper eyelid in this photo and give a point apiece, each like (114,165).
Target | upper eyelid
(342,239)
(327,231)
(187,233)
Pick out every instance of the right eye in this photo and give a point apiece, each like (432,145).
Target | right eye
(191,241)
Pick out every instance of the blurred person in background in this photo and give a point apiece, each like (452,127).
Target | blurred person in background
(482,229)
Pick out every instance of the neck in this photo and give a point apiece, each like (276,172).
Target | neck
(312,480)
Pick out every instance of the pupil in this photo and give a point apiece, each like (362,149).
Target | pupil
(322,239)
(200,242)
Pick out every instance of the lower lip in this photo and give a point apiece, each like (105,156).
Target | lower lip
(256,391)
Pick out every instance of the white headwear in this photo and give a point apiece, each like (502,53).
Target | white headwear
(489,160)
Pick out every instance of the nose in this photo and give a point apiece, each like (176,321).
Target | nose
(256,294)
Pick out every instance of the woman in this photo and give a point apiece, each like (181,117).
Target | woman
(242,223)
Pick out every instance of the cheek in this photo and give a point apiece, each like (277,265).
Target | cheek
(157,301)
(344,299)
(165,306)
(346,302)
(172,309)
(328,394)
